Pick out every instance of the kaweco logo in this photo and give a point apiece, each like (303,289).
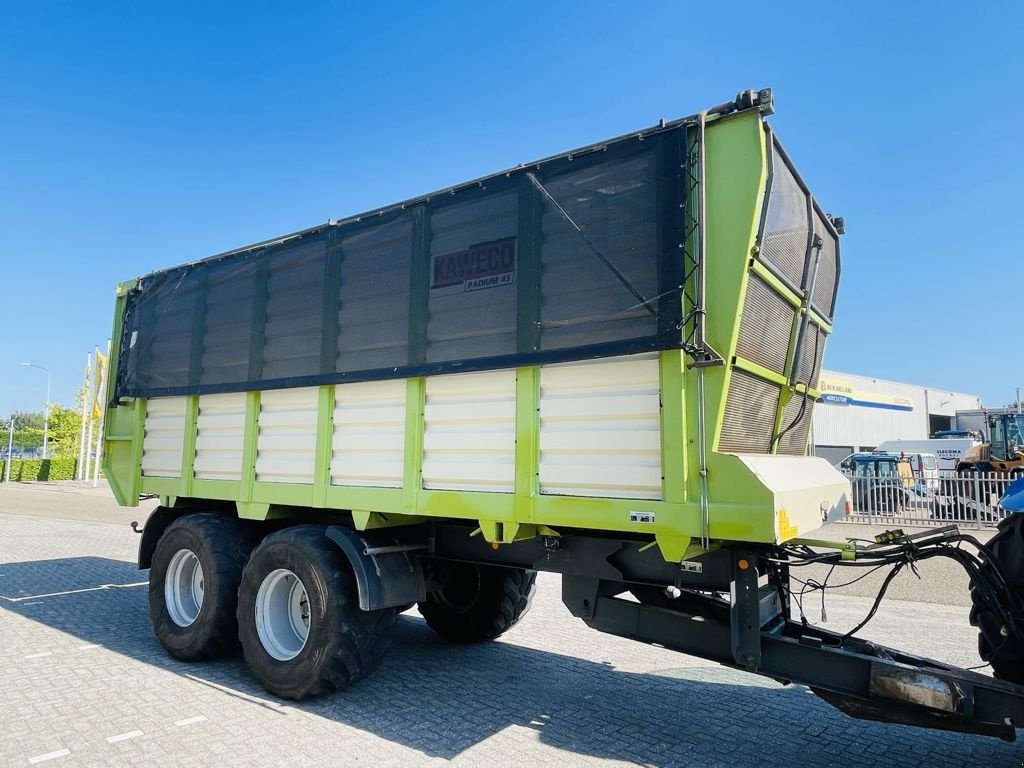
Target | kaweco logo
(484,265)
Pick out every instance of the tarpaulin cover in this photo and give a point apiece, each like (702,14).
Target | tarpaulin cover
(575,257)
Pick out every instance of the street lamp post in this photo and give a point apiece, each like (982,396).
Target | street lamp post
(46,408)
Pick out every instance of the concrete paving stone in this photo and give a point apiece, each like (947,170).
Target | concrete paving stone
(550,692)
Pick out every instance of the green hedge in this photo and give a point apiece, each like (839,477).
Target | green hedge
(27,470)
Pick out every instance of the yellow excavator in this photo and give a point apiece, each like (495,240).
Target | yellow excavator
(1004,450)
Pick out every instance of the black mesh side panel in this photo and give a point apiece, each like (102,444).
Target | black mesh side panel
(227,324)
(373,297)
(583,300)
(824,294)
(295,280)
(572,258)
(765,327)
(794,442)
(808,367)
(784,242)
(156,348)
(750,408)
(472,308)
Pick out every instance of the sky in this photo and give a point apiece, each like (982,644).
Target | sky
(139,136)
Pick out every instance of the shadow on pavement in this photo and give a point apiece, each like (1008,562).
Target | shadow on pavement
(442,699)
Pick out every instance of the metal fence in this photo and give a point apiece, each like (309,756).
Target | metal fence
(969,499)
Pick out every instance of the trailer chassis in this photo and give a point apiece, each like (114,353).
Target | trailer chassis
(732,606)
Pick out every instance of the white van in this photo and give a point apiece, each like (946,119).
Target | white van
(947,450)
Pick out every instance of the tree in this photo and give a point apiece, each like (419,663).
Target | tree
(28,419)
(65,431)
(25,438)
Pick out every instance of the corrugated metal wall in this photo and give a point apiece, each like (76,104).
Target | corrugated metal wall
(162,442)
(469,436)
(368,447)
(286,446)
(600,428)
(220,429)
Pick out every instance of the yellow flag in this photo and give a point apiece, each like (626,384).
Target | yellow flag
(101,375)
(85,380)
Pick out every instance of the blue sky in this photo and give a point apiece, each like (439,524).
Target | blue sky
(142,136)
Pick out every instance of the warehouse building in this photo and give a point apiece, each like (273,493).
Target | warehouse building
(857,413)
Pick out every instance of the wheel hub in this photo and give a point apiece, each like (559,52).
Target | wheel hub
(460,587)
(184,588)
(282,614)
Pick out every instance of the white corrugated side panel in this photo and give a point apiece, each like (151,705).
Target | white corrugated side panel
(600,428)
(164,437)
(369,434)
(220,427)
(469,440)
(286,447)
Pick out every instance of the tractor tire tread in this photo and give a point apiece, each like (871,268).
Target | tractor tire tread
(356,640)
(225,544)
(506,598)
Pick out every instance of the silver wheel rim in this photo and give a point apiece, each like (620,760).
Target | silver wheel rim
(183,588)
(282,614)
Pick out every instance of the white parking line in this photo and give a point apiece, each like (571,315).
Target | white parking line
(39,655)
(99,588)
(49,756)
(123,737)
(274,705)
(190,720)
(87,647)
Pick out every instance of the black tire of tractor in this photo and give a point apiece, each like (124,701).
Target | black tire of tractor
(476,603)
(344,643)
(1004,654)
(222,545)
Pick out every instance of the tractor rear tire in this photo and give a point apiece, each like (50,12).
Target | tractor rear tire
(1004,653)
(302,630)
(193,585)
(475,603)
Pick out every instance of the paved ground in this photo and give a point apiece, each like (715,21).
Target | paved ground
(85,683)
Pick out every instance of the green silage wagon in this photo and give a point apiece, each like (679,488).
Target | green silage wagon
(602,364)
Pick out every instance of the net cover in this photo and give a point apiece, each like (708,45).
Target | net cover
(574,257)
(792,222)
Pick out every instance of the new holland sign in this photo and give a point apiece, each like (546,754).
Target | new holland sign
(842,392)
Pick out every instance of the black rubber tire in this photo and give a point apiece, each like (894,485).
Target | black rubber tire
(475,603)
(1006,655)
(222,545)
(344,644)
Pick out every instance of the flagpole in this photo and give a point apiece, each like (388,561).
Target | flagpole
(10,449)
(101,398)
(82,447)
(88,440)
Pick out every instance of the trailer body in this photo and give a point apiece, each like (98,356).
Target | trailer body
(517,352)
